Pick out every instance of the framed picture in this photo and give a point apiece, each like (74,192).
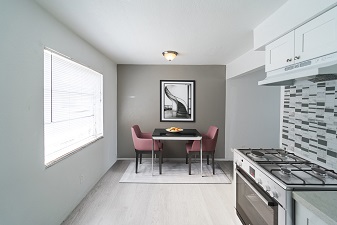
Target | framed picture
(177,101)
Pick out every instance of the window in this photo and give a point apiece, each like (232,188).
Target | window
(73,106)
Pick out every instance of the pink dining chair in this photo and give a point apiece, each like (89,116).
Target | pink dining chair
(208,146)
(143,145)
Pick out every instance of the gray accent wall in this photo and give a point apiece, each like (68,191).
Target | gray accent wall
(310,121)
(139,99)
(252,113)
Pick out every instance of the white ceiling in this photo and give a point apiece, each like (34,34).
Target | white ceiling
(203,32)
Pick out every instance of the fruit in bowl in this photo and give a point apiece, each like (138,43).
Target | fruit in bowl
(174,129)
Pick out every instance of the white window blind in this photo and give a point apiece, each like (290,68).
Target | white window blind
(73,106)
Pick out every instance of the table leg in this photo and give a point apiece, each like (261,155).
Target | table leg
(152,154)
(201,157)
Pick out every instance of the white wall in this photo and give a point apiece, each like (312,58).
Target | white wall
(252,113)
(31,194)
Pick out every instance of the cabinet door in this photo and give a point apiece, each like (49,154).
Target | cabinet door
(316,38)
(280,52)
(304,216)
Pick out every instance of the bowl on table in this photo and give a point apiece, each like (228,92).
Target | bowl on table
(174,129)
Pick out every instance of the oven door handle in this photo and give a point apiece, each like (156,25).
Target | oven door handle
(268,203)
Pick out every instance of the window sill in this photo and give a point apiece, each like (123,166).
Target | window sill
(58,159)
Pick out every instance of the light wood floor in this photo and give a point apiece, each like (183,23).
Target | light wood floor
(111,202)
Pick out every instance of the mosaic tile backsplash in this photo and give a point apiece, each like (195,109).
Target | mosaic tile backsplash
(310,121)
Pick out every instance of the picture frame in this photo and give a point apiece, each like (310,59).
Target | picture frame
(177,100)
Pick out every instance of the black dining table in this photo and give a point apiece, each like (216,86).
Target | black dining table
(184,135)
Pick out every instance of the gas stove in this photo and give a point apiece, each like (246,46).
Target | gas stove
(290,170)
(274,174)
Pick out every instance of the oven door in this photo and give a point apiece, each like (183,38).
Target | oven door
(253,205)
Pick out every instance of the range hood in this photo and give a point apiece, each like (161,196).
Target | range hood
(315,70)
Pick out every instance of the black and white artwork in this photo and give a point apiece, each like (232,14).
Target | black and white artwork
(177,100)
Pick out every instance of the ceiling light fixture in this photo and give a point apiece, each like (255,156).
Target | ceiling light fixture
(170,55)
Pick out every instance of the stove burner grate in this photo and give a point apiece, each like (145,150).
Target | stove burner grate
(285,171)
(257,154)
(318,171)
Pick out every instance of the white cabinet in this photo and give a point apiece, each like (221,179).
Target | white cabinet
(316,38)
(304,216)
(280,53)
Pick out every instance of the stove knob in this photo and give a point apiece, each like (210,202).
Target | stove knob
(259,181)
(239,163)
(274,194)
(267,188)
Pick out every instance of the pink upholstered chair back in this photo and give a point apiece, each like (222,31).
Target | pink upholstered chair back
(137,131)
(212,134)
(208,141)
(142,141)
(136,134)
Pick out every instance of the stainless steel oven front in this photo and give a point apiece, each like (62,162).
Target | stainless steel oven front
(253,205)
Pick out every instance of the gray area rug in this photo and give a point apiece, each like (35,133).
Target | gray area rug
(174,172)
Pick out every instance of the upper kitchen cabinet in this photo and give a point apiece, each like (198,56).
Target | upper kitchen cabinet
(316,38)
(280,53)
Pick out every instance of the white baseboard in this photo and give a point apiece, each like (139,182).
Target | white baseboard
(126,158)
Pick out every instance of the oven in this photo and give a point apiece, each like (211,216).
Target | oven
(265,180)
(253,205)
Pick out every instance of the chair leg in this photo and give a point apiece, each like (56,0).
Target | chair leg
(160,161)
(189,163)
(186,158)
(207,159)
(162,157)
(213,162)
(136,162)
(140,158)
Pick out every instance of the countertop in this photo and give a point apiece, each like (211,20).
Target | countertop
(321,203)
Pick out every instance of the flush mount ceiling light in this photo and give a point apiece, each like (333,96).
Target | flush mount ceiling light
(170,55)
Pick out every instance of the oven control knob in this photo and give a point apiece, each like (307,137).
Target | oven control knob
(259,181)
(267,188)
(239,163)
(274,194)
